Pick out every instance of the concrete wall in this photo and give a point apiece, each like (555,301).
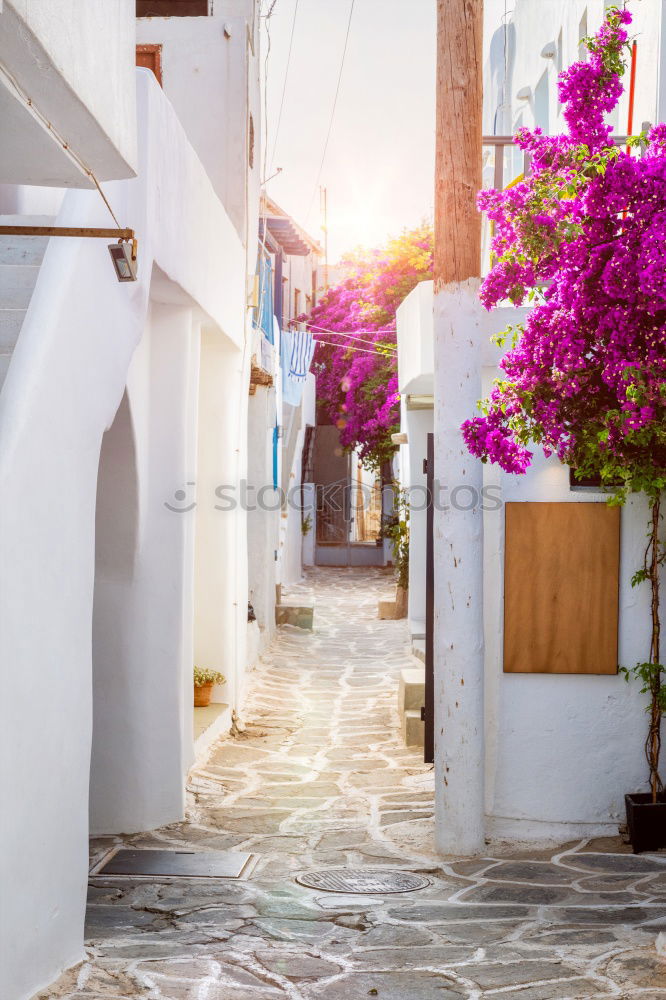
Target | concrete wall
(65,383)
(208,59)
(75,62)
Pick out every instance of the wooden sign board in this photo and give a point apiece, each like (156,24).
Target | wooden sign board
(561,588)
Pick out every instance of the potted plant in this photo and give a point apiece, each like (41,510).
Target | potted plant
(582,239)
(204,680)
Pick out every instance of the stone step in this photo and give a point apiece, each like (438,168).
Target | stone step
(17,282)
(411,689)
(413,728)
(419,649)
(300,615)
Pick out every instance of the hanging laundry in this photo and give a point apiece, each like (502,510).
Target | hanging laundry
(296,351)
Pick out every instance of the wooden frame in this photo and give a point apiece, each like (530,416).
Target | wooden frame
(150,57)
(561,588)
(172,8)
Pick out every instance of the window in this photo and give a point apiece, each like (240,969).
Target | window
(582,34)
(559,64)
(541,104)
(297,302)
(150,56)
(172,8)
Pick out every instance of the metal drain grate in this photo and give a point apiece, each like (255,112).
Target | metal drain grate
(363,880)
(186,864)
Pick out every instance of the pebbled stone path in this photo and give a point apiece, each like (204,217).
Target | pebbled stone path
(319,779)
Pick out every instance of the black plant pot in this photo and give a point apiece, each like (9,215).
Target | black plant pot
(646,821)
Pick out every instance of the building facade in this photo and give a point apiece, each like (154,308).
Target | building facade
(123,412)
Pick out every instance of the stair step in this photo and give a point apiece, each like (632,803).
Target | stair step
(5,359)
(22,249)
(300,615)
(411,689)
(11,321)
(17,282)
(413,729)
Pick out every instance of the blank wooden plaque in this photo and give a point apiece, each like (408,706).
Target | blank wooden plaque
(561,588)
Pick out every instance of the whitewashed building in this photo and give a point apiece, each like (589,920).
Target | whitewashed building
(537,753)
(279,415)
(122,411)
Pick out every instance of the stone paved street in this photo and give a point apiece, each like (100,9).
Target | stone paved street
(320,779)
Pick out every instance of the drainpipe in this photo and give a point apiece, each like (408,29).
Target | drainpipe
(458,519)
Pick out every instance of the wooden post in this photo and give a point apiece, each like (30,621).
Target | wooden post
(458,643)
(458,143)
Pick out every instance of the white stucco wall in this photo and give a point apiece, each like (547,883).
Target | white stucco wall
(200,63)
(64,385)
(530,27)
(75,61)
(414,325)
(560,751)
(263,516)
(416,365)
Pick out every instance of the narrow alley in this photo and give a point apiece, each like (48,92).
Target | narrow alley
(319,779)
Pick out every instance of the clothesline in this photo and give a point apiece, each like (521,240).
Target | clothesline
(388,348)
(361,350)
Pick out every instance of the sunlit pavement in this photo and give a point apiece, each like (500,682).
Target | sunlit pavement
(321,780)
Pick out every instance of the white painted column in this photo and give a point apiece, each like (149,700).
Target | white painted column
(458,550)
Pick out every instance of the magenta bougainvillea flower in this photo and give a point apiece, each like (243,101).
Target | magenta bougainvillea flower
(583,238)
(358,389)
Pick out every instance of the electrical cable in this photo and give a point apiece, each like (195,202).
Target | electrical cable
(341,333)
(358,350)
(284,86)
(335,101)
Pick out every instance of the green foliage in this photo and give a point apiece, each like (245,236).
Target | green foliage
(397,531)
(649,675)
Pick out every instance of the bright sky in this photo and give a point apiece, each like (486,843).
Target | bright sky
(380,161)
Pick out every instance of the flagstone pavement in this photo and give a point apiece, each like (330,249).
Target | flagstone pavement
(320,779)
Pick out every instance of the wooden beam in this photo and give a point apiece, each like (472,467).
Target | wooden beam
(458,140)
(108,234)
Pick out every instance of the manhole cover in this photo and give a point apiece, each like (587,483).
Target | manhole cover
(187,864)
(362,880)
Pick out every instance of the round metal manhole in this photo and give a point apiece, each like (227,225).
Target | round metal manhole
(363,880)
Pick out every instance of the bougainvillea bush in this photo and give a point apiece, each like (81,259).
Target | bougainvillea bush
(583,238)
(359,388)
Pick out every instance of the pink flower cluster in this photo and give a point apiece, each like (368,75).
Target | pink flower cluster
(587,230)
(357,383)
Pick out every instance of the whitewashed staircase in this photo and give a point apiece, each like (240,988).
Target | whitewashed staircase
(20,260)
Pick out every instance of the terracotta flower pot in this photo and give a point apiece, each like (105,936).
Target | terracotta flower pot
(202,693)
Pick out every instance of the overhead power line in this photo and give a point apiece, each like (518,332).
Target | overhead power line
(284,85)
(335,101)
